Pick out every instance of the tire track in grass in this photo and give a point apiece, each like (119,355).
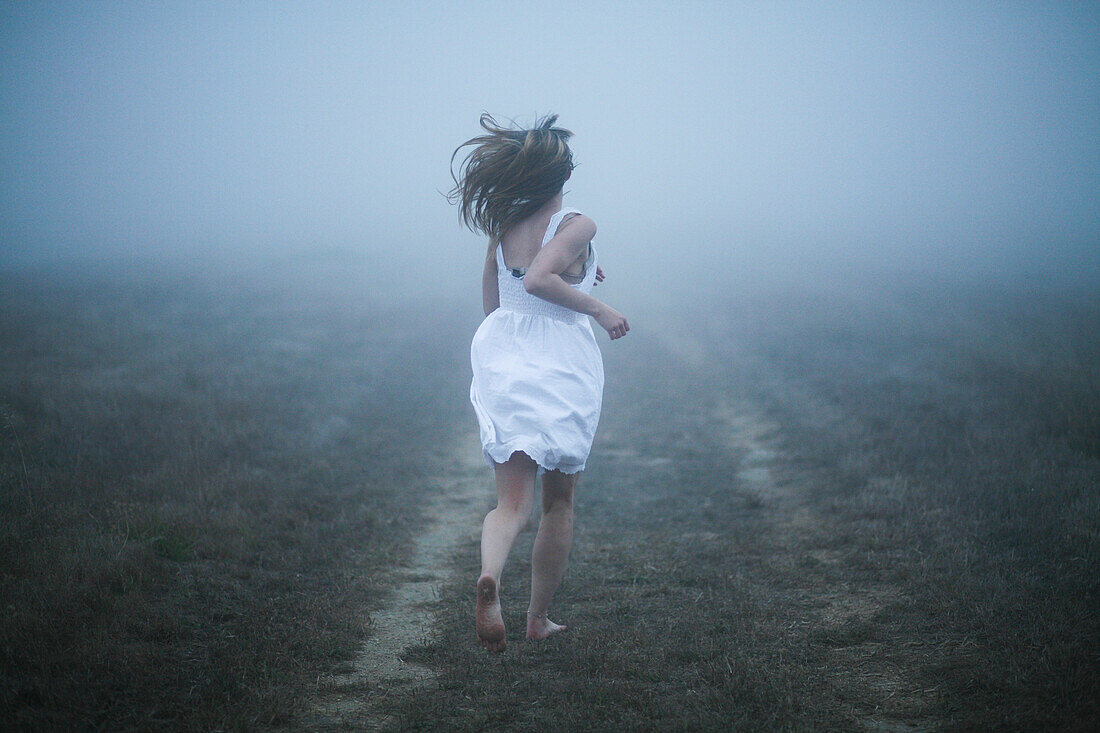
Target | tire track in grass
(834,611)
(831,603)
(456,499)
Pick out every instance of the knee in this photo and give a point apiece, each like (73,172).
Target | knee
(558,503)
(557,494)
(515,505)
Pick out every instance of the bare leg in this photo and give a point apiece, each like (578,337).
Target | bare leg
(515,498)
(551,551)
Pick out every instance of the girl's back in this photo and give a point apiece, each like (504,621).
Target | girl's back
(521,244)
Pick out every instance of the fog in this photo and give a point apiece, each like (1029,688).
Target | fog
(723,141)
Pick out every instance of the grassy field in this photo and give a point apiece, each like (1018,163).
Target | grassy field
(202,485)
(866,509)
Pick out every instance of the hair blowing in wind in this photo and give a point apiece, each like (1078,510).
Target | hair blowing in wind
(510,173)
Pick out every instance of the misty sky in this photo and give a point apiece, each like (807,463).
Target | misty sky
(709,135)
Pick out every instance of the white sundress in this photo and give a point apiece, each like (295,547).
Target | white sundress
(538,373)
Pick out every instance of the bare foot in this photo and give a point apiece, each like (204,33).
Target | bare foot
(489,622)
(540,627)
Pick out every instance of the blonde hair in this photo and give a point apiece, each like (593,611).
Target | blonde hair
(510,173)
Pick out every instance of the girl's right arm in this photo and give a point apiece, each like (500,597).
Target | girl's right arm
(490,294)
(544,280)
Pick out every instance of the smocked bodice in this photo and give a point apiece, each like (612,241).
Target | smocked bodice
(513,296)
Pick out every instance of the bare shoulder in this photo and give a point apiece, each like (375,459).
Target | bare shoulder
(577,228)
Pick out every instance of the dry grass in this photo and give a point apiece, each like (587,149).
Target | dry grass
(921,554)
(829,512)
(201,488)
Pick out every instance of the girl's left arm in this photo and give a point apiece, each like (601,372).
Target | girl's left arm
(490,294)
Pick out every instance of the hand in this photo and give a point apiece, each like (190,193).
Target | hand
(599,276)
(613,322)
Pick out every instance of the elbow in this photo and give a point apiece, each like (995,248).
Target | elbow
(534,284)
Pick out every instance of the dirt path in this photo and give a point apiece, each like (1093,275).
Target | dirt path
(830,602)
(456,501)
(830,605)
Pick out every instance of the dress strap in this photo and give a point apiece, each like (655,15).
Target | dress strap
(555,222)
